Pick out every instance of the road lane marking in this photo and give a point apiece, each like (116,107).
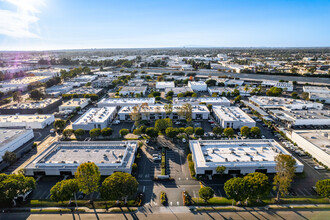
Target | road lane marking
(144,188)
(170,203)
(219,192)
(177,203)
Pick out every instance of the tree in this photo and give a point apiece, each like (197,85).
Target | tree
(217,130)
(135,114)
(119,186)
(152,132)
(206,193)
(220,169)
(79,133)
(36,94)
(235,93)
(245,131)
(67,133)
(255,131)
(123,132)
(186,112)
(294,95)
(305,95)
(235,189)
(88,177)
(95,132)
(171,132)
(194,95)
(106,132)
(229,132)
(170,93)
(59,124)
(64,190)
(211,82)
(9,157)
(258,185)
(162,124)
(323,188)
(285,167)
(209,107)
(14,185)
(180,95)
(199,131)
(168,108)
(17,96)
(189,130)
(274,91)
(237,99)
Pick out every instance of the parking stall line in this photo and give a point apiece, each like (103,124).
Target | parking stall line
(301,192)
(307,192)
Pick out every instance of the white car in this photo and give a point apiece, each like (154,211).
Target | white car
(319,167)
(184,140)
(178,123)
(116,122)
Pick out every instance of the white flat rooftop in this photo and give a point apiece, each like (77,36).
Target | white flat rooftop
(133,101)
(96,115)
(30,105)
(24,118)
(8,135)
(232,113)
(319,138)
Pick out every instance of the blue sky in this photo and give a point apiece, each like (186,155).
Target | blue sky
(74,24)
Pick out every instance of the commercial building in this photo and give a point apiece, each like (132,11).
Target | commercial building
(223,101)
(302,117)
(84,79)
(285,86)
(22,83)
(85,91)
(154,112)
(133,90)
(95,118)
(46,72)
(63,158)
(219,90)
(40,107)
(316,89)
(315,142)
(268,103)
(137,82)
(12,139)
(120,102)
(26,121)
(58,90)
(164,85)
(72,104)
(322,97)
(238,156)
(102,83)
(232,117)
(177,90)
(198,86)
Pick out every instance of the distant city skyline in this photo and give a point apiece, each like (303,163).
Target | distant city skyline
(60,24)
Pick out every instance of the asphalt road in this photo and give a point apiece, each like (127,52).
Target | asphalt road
(168,214)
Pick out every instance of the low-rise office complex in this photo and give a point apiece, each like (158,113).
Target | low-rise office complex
(154,112)
(12,139)
(302,117)
(164,85)
(22,83)
(232,117)
(26,121)
(197,86)
(177,90)
(316,89)
(133,90)
(315,142)
(223,101)
(73,104)
(85,91)
(286,86)
(238,156)
(95,118)
(31,107)
(63,158)
(322,97)
(268,103)
(120,102)
(58,90)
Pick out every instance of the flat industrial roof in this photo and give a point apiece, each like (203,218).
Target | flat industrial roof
(160,108)
(96,115)
(232,113)
(24,118)
(30,105)
(235,152)
(75,102)
(133,101)
(8,135)
(319,138)
(102,153)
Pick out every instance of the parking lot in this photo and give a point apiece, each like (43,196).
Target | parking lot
(118,127)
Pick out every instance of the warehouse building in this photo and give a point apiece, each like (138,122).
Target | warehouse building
(322,97)
(268,103)
(31,107)
(12,139)
(154,112)
(133,90)
(63,158)
(316,89)
(95,118)
(26,121)
(232,117)
(164,85)
(58,90)
(315,142)
(223,101)
(238,156)
(197,86)
(177,90)
(120,102)
(302,117)
(85,91)
(23,82)
(73,104)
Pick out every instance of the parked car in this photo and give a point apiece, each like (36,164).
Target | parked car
(116,122)
(319,167)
